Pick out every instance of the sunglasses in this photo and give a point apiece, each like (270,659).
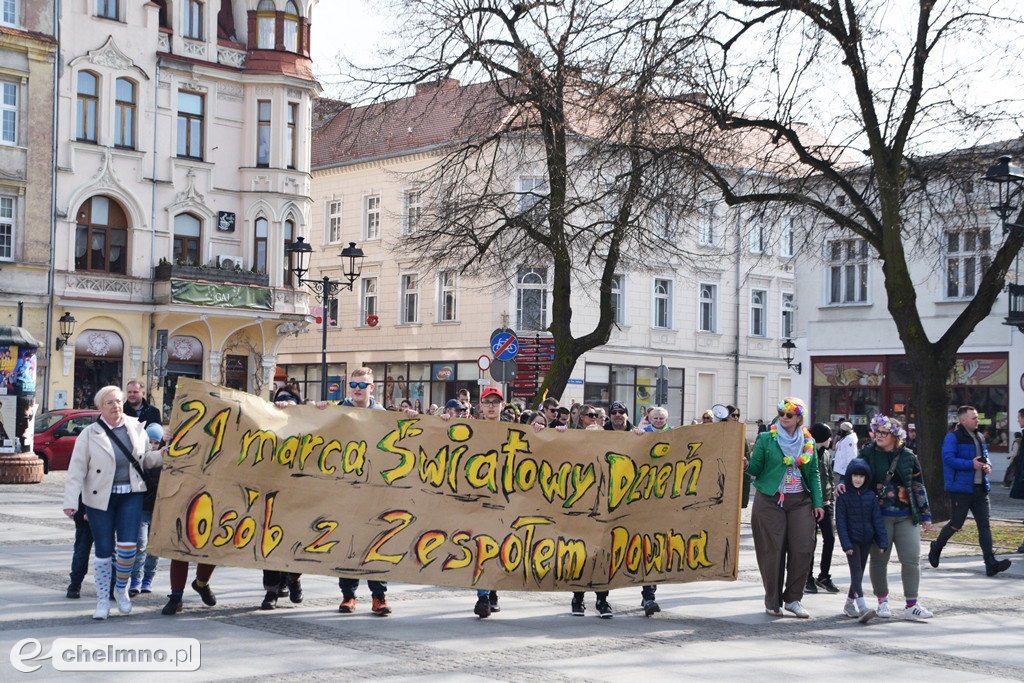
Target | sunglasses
(359,385)
(783,413)
(590,415)
(734,415)
(616,412)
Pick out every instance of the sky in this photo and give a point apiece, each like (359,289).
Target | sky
(346,26)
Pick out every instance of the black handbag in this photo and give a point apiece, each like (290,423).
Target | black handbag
(151,476)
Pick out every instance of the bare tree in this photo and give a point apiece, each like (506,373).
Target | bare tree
(566,94)
(883,81)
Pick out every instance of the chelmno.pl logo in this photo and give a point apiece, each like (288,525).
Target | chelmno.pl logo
(108,654)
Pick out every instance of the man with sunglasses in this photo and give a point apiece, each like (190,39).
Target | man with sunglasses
(453,408)
(492,403)
(360,395)
(618,418)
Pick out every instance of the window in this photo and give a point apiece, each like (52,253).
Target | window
(410,299)
(124,114)
(787,240)
(788,312)
(848,271)
(334,222)
(532,299)
(758,314)
(187,239)
(368,298)
(967,258)
(190,125)
(266,20)
(708,308)
(413,210)
(101,236)
(663,304)
(263,133)
(289,237)
(618,301)
(259,253)
(759,239)
(9,12)
(448,296)
(290,144)
(707,229)
(372,222)
(6,228)
(106,9)
(532,191)
(88,101)
(291,27)
(9,113)
(193,19)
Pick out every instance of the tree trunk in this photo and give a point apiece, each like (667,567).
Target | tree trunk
(930,398)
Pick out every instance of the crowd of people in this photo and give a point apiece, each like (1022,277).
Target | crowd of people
(806,481)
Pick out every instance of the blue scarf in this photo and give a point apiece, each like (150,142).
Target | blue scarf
(791,445)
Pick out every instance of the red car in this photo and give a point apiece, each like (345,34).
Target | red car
(55,434)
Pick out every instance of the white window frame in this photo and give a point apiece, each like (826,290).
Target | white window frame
(369,298)
(8,221)
(448,291)
(966,265)
(759,236)
(266,25)
(524,289)
(409,304)
(532,190)
(104,6)
(9,13)
(758,312)
(412,216)
(787,315)
(618,287)
(9,112)
(190,23)
(787,239)
(371,217)
(333,222)
(661,296)
(707,307)
(707,233)
(851,265)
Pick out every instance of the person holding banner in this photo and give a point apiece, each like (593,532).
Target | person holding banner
(492,404)
(786,508)
(106,470)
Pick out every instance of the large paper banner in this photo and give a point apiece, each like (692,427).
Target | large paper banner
(372,494)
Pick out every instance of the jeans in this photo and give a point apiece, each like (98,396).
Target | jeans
(828,544)
(977,503)
(145,563)
(348,587)
(858,561)
(80,556)
(122,517)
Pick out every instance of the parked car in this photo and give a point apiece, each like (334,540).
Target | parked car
(55,434)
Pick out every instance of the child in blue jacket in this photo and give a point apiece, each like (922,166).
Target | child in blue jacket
(859,523)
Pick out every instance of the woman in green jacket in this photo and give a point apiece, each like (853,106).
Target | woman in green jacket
(786,507)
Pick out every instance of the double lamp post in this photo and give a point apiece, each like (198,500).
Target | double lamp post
(324,289)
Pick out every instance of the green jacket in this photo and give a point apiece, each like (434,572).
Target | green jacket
(767,468)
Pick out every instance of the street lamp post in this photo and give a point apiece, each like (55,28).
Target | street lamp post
(325,289)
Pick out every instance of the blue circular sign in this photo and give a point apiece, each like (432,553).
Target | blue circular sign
(504,346)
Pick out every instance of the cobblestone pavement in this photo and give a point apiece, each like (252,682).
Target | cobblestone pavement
(705,630)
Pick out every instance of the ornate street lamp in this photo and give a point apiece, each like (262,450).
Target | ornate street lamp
(67,328)
(1009,180)
(788,351)
(325,289)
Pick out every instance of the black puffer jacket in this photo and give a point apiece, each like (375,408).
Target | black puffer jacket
(858,515)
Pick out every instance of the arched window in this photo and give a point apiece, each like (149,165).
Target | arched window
(289,237)
(188,236)
(259,252)
(101,236)
(88,102)
(266,20)
(291,27)
(532,299)
(124,114)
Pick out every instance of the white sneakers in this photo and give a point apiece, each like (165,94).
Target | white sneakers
(917,612)
(124,603)
(796,608)
(851,610)
(883,610)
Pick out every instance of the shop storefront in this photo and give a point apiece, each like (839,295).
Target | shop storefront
(634,386)
(858,387)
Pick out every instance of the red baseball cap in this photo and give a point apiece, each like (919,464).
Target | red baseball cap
(491,391)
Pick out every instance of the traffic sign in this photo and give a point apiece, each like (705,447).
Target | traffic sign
(504,345)
(483,362)
(503,370)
